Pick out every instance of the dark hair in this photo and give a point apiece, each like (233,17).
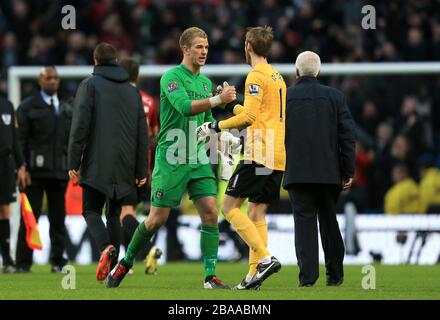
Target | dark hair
(104,53)
(132,68)
(49,66)
(260,39)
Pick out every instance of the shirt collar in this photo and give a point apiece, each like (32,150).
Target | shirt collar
(195,75)
(306,79)
(47,97)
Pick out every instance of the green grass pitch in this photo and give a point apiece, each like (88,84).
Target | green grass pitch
(177,281)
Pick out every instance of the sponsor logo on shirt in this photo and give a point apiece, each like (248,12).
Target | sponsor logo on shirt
(172,86)
(254,89)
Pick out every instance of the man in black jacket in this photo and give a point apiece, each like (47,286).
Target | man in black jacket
(11,159)
(44,124)
(108,145)
(320,149)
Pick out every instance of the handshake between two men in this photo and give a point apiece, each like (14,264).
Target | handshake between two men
(229,146)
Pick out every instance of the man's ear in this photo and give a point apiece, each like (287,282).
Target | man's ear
(249,47)
(297,73)
(185,50)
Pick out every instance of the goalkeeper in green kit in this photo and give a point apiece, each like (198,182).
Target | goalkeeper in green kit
(182,164)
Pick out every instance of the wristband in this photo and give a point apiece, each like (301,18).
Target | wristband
(215,126)
(215,101)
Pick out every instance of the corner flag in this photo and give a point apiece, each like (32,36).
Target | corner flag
(32,234)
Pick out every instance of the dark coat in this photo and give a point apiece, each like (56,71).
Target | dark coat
(44,137)
(320,139)
(9,143)
(108,138)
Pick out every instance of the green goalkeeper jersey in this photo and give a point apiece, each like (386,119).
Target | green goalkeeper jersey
(177,136)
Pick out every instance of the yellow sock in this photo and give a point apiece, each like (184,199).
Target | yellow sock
(253,259)
(248,232)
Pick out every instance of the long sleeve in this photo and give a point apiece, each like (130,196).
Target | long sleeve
(246,115)
(80,128)
(142,144)
(174,90)
(18,154)
(346,140)
(23,132)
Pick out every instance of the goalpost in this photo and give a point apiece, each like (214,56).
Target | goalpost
(17,73)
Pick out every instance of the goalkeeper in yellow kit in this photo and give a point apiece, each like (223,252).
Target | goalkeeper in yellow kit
(257,177)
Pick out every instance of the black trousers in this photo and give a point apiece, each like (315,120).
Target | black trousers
(310,201)
(93,204)
(55,190)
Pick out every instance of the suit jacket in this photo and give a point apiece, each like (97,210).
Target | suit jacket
(108,138)
(320,139)
(9,143)
(44,136)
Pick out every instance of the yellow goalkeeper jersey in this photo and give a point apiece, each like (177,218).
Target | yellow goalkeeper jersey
(264,112)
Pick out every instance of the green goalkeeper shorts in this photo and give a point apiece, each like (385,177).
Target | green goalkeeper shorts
(170,181)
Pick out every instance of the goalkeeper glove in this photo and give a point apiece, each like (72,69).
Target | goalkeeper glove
(229,147)
(231,144)
(220,88)
(206,130)
(226,106)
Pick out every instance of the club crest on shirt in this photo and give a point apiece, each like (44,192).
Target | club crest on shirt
(172,86)
(205,86)
(39,159)
(6,119)
(254,89)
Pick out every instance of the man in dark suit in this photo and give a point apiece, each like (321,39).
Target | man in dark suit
(44,124)
(320,149)
(108,145)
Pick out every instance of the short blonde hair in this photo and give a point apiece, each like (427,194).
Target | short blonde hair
(189,35)
(308,63)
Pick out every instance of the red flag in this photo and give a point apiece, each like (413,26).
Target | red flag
(32,234)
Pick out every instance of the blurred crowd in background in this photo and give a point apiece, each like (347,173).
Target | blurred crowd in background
(398,117)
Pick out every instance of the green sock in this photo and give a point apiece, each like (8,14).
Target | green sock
(138,241)
(209,244)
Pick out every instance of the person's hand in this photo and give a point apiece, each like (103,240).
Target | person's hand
(206,130)
(220,88)
(219,91)
(28,179)
(73,174)
(228,94)
(346,183)
(230,144)
(23,177)
(141,182)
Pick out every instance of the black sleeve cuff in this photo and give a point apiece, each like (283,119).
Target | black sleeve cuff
(215,126)
(230,106)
